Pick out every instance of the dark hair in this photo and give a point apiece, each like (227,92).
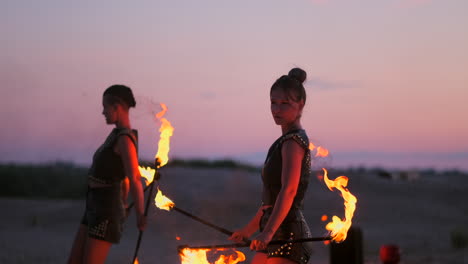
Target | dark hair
(292,84)
(120,94)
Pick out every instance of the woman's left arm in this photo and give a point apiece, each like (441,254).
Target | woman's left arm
(292,154)
(127,151)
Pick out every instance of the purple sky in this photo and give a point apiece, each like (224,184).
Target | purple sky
(388,80)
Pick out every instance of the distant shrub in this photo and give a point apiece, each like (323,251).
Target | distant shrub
(459,238)
(203,163)
(52,180)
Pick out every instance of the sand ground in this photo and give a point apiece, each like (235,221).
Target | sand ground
(418,216)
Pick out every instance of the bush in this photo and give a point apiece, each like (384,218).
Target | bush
(222,163)
(52,180)
(459,238)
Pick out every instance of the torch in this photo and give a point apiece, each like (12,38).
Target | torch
(157,175)
(247,243)
(164,203)
(338,228)
(161,159)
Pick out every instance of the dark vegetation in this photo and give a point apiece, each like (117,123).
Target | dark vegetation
(67,180)
(52,180)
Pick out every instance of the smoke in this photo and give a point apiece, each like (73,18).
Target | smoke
(146,108)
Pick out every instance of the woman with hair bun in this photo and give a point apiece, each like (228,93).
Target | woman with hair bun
(114,170)
(285,175)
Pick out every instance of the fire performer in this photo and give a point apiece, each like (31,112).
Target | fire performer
(115,164)
(285,175)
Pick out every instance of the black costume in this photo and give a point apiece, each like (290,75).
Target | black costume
(294,225)
(105,213)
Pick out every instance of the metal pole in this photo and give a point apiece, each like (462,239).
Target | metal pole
(196,218)
(148,201)
(247,243)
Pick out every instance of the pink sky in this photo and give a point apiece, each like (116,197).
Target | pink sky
(384,76)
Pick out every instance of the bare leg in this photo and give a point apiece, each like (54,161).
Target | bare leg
(77,250)
(96,251)
(259,258)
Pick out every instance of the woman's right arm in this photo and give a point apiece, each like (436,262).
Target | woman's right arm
(247,231)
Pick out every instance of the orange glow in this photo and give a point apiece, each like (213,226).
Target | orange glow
(162,202)
(177,238)
(198,256)
(319,177)
(147,174)
(339,228)
(324,218)
(321,152)
(136,261)
(327,242)
(166,131)
(311,146)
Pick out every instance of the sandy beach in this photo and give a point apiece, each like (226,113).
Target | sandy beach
(417,215)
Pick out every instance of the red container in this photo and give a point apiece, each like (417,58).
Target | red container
(390,254)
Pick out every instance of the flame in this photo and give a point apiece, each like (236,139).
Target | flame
(320,151)
(198,256)
(147,173)
(162,202)
(311,146)
(324,218)
(136,261)
(339,228)
(166,131)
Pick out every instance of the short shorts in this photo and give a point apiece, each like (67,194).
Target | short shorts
(293,227)
(104,214)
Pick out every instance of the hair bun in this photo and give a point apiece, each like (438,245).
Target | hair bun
(298,74)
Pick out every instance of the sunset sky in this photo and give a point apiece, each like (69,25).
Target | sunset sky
(387,79)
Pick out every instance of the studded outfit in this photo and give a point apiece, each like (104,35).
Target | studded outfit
(105,214)
(294,225)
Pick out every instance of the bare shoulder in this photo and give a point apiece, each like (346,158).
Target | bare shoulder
(292,147)
(124,145)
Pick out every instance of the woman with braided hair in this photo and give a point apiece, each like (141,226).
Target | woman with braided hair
(285,177)
(113,172)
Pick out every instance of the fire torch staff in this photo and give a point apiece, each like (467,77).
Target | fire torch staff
(157,176)
(285,176)
(115,160)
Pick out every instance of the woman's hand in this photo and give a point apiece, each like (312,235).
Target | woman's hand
(141,221)
(261,241)
(240,235)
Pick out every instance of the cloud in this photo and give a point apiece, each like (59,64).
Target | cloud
(208,95)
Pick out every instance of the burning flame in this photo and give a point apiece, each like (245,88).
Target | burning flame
(320,151)
(147,173)
(166,131)
(339,228)
(162,202)
(198,256)
(136,261)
